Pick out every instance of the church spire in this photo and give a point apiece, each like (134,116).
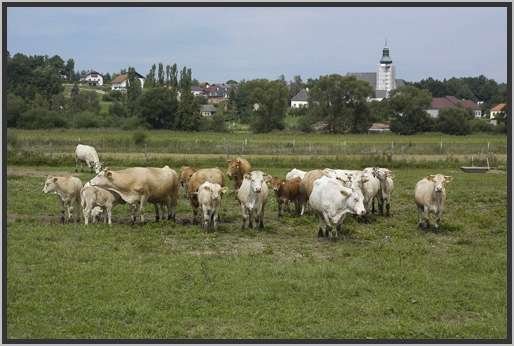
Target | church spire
(386,59)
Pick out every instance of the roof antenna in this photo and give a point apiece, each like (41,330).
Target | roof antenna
(385,42)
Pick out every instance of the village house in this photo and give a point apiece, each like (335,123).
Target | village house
(379,128)
(301,99)
(440,103)
(198,91)
(207,110)
(497,112)
(121,82)
(93,78)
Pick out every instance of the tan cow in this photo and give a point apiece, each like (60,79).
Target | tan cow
(430,196)
(237,168)
(306,186)
(139,185)
(68,190)
(287,191)
(212,175)
(185,174)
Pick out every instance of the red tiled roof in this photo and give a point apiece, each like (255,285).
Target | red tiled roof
(499,107)
(120,78)
(452,102)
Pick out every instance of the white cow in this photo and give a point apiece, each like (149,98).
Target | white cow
(209,198)
(93,197)
(68,190)
(332,201)
(430,196)
(252,195)
(295,173)
(87,154)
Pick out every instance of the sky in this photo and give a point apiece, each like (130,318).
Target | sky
(220,44)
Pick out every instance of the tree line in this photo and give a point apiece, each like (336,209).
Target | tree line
(36,98)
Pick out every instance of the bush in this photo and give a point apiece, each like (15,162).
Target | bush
(38,118)
(12,139)
(112,96)
(139,137)
(481,125)
(118,109)
(454,121)
(216,123)
(131,123)
(15,107)
(87,120)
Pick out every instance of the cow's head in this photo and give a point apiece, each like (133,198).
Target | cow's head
(215,190)
(233,167)
(50,184)
(185,175)
(98,166)
(104,178)
(276,183)
(382,173)
(354,200)
(439,181)
(257,180)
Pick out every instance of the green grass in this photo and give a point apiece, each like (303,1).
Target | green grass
(386,279)
(278,144)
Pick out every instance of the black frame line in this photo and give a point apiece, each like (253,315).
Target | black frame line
(506,5)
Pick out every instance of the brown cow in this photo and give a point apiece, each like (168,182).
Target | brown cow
(307,184)
(185,174)
(212,175)
(237,168)
(287,191)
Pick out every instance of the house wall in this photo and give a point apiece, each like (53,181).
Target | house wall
(98,79)
(433,113)
(299,104)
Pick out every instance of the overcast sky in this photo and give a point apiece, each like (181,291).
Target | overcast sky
(244,43)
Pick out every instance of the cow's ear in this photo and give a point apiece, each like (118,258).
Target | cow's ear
(430,177)
(268,178)
(229,161)
(447,178)
(54,179)
(345,191)
(247,176)
(108,174)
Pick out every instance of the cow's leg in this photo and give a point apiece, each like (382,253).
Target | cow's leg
(388,207)
(250,218)
(157,211)
(133,211)
(426,217)
(245,216)
(261,218)
(108,210)
(439,216)
(215,217)
(142,201)
(279,202)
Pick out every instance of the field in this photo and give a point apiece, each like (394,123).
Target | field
(385,279)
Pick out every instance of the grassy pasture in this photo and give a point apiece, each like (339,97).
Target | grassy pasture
(385,279)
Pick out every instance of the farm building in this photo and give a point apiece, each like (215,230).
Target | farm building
(93,78)
(379,128)
(439,103)
(207,110)
(497,111)
(121,82)
(301,99)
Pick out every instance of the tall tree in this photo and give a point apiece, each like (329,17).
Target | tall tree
(150,78)
(188,115)
(409,116)
(341,102)
(133,91)
(160,75)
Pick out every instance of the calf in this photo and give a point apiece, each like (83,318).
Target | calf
(68,190)
(209,198)
(385,176)
(287,191)
(212,175)
(95,197)
(252,197)
(430,196)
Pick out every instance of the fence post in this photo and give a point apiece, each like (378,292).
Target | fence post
(441,145)
(146,154)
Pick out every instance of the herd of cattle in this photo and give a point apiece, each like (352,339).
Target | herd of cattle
(329,193)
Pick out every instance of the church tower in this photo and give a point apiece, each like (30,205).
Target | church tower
(386,74)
